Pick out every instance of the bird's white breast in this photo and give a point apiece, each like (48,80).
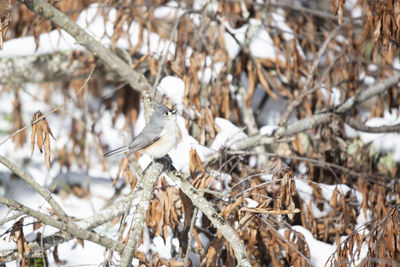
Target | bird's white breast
(167,141)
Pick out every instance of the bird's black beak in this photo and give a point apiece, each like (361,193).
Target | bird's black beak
(173,111)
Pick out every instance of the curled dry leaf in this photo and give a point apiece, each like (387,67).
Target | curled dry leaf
(41,132)
(252,79)
(81,242)
(264,82)
(18,122)
(56,256)
(195,163)
(17,235)
(3,30)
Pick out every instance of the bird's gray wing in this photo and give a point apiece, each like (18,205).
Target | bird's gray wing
(149,135)
(117,151)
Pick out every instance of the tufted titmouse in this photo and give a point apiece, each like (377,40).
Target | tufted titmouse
(158,137)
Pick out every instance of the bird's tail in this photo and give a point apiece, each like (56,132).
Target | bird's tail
(116,151)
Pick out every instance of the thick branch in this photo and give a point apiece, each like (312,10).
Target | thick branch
(149,180)
(69,226)
(317,119)
(37,69)
(373,90)
(206,207)
(361,96)
(36,186)
(58,66)
(303,125)
(105,215)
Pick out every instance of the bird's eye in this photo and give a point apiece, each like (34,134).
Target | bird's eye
(167,113)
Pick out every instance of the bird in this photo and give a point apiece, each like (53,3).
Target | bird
(157,138)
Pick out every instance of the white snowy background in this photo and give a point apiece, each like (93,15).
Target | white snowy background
(261,45)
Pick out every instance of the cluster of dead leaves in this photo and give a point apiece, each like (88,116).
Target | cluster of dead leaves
(40,136)
(382,241)
(4,21)
(279,206)
(337,6)
(16,234)
(23,21)
(383,22)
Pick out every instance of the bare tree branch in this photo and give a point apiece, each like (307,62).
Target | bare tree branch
(357,125)
(99,218)
(303,125)
(135,79)
(373,90)
(58,66)
(84,86)
(37,69)
(149,180)
(46,194)
(362,95)
(222,226)
(306,90)
(68,226)
(251,124)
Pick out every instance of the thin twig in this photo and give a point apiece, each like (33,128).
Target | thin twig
(314,66)
(319,163)
(12,217)
(222,226)
(46,194)
(68,226)
(357,125)
(365,94)
(317,119)
(105,215)
(166,50)
(286,241)
(51,111)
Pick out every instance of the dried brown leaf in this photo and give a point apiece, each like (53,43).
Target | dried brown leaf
(153,65)
(396,9)
(333,200)
(154,218)
(47,149)
(227,210)
(56,257)
(195,163)
(340,12)
(81,242)
(334,6)
(264,82)
(251,76)
(18,123)
(377,31)
(37,225)
(209,122)
(39,136)
(80,191)
(122,164)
